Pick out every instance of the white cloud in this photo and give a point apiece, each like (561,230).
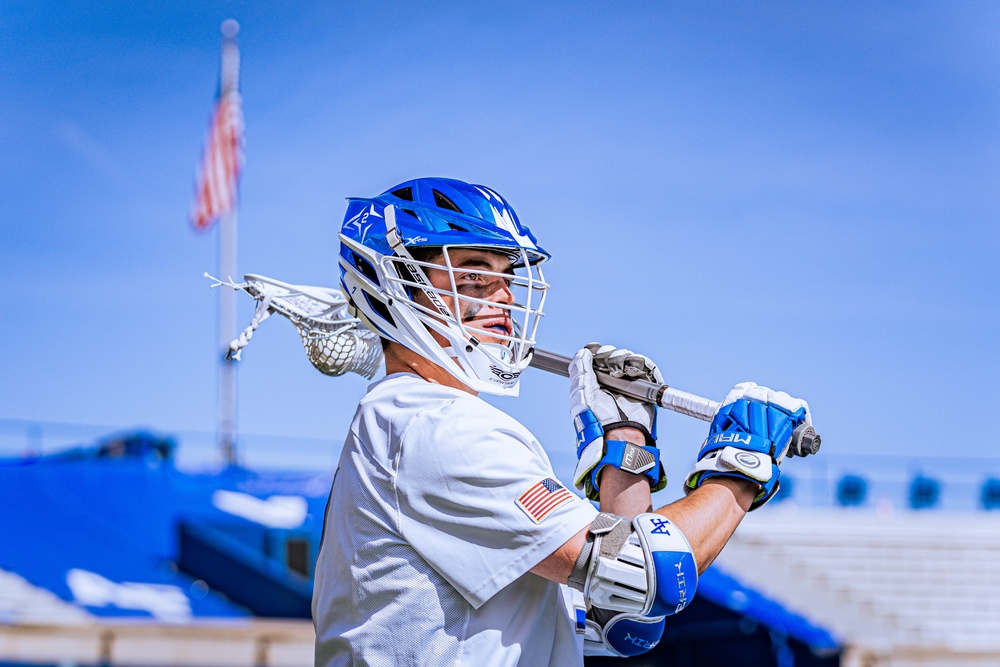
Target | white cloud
(92,151)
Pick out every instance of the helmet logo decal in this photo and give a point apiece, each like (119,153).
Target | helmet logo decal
(502,216)
(504,375)
(489,194)
(362,223)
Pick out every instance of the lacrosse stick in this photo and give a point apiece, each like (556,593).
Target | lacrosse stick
(320,314)
(805,440)
(335,342)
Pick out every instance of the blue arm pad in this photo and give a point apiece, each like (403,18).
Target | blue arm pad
(675,574)
(676,582)
(630,635)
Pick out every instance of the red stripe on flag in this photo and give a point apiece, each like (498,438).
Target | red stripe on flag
(217,184)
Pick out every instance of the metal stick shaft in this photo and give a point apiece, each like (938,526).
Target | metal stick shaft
(804,441)
(663,395)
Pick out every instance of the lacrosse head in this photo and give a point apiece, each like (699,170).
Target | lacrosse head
(356,350)
(335,342)
(391,243)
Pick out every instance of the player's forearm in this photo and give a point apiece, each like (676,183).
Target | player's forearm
(709,515)
(624,493)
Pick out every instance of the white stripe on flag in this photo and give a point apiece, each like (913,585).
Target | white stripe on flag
(217,185)
(542,498)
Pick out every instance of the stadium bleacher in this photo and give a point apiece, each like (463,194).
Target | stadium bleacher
(906,588)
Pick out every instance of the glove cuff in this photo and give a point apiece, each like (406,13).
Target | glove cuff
(630,458)
(588,428)
(732,462)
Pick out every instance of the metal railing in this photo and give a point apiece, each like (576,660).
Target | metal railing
(949,483)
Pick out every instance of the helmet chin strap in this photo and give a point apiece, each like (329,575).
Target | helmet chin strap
(481,365)
(502,352)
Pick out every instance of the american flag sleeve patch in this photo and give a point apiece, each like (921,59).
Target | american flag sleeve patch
(543,498)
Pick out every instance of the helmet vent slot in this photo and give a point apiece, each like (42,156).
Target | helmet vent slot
(442,201)
(404,193)
(380,309)
(366,269)
(457,228)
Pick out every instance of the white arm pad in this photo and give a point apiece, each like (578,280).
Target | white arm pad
(646,568)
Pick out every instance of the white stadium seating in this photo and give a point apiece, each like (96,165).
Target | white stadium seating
(906,589)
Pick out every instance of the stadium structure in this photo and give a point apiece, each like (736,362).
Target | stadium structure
(113,555)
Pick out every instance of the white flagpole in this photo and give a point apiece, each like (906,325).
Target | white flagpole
(229,79)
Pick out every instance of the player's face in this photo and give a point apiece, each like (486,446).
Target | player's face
(480,275)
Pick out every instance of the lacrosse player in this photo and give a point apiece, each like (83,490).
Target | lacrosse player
(448,539)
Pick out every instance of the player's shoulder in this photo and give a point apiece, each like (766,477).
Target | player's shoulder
(441,413)
(402,392)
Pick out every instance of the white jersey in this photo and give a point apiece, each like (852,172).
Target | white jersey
(440,507)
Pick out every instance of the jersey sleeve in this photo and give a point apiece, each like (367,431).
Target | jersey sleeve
(478,499)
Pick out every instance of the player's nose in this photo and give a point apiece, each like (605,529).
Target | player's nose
(503,293)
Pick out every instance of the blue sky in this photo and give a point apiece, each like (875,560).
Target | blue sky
(802,194)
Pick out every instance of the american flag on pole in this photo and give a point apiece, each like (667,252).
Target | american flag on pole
(543,498)
(221,163)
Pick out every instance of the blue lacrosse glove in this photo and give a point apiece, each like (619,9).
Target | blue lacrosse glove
(749,438)
(596,410)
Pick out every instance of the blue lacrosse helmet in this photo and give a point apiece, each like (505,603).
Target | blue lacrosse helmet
(381,271)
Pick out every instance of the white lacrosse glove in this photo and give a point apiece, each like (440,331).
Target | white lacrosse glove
(749,438)
(596,410)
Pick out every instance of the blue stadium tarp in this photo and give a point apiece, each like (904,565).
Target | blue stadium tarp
(115,519)
(123,516)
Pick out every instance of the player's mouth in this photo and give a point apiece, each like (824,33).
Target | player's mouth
(499,325)
(497,322)
(501,328)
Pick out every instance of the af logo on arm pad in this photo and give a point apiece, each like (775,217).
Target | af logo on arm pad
(673,578)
